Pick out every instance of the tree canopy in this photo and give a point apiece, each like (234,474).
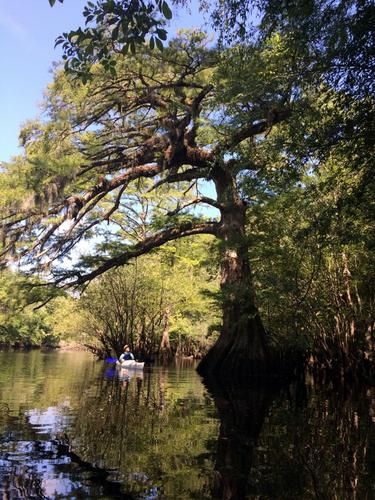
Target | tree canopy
(335,38)
(119,144)
(128,155)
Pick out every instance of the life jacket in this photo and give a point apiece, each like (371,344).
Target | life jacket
(126,356)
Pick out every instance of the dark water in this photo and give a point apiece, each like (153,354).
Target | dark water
(70,427)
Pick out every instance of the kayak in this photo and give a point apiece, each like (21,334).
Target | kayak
(130,364)
(126,374)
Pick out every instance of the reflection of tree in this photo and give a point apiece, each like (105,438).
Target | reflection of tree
(48,469)
(32,463)
(155,433)
(335,456)
(20,481)
(98,475)
(242,410)
(298,444)
(317,448)
(161,437)
(35,379)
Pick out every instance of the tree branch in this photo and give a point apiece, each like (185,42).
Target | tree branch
(143,247)
(188,175)
(253,129)
(203,199)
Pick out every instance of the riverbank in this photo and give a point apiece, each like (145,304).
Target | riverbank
(71,346)
(61,346)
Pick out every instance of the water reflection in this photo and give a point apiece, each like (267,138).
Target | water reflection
(47,469)
(153,431)
(85,430)
(242,411)
(51,421)
(120,434)
(299,442)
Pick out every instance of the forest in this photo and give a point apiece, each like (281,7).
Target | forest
(200,196)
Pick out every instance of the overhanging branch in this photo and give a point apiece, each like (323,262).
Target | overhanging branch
(143,247)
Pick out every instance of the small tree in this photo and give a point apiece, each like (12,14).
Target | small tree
(132,314)
(20,325)
(145,301)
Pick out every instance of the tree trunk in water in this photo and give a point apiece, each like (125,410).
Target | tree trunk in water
(165,346)
(242,346)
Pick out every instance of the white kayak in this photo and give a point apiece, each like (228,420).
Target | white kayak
(130,364)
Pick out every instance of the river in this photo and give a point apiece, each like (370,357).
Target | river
(72,427)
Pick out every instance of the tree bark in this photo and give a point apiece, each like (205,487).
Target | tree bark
(165,346)
(242,345)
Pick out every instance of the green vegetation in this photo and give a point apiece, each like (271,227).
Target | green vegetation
(157,305)
(272,131)
(163,305)
(19,323)
(314,246)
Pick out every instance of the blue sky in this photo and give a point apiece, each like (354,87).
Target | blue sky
(28,29)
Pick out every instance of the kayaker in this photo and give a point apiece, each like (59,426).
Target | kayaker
(126,355)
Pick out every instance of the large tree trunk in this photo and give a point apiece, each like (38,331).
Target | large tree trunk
(242,345)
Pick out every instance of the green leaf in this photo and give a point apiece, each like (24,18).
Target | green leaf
(166,11)
(162,34)
(152,43)
(59,40)
(159,43)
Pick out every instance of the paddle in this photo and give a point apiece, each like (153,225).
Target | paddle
(110,360)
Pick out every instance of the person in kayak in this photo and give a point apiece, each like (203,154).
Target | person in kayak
(126,355)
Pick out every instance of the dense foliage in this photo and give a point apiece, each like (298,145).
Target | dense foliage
(138,145)
(20,325)
(158,305)
(281,124)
